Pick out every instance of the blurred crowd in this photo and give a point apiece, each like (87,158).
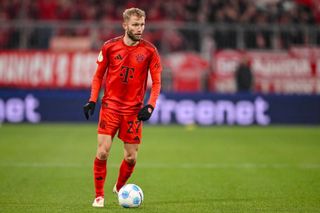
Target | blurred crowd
(219,12)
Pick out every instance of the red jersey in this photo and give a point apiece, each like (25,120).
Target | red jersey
(126,68)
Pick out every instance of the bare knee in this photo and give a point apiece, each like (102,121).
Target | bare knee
(102,154)
(131,153)
(104,146)
(130,158)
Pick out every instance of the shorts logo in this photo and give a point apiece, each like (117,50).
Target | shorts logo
(140,58)
(102,124)
(137,138)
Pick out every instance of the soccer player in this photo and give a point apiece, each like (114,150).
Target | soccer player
(125,62)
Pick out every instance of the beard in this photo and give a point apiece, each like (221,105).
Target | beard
(133,37)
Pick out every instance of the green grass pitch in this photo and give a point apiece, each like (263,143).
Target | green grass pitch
(48,168)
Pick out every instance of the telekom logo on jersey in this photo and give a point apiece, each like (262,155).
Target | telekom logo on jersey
(208,112)
(126,73)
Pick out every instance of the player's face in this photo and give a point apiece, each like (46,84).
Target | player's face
(134,27)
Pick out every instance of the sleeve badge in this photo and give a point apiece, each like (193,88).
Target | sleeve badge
(100,57)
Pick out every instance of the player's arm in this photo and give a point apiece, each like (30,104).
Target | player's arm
(155,72)
(97,81)
(102,63)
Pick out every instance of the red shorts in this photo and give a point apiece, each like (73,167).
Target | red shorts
(129,127)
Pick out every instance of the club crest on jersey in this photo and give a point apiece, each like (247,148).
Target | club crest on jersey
(140,58)
(100,57)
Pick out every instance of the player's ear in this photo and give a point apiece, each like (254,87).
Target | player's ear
(125,25)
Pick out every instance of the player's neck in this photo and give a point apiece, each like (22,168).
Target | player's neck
(129,42)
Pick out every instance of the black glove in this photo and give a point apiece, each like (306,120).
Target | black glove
(89,107)
(145,113)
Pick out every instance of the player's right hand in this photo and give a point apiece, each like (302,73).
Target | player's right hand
(88,109)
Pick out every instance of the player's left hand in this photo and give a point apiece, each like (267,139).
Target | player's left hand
(89,107)
(145,113)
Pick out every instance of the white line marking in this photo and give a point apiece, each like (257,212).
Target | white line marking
(169,166)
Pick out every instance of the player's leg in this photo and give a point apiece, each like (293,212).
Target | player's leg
(130,133)
(128,164)
(108,125)
(100,168)
(100,163)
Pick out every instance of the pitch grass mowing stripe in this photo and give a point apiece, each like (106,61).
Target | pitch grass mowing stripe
(171,166)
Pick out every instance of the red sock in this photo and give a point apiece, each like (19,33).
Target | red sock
(100,172)
(125,172)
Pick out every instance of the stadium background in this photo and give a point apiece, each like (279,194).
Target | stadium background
(48,50)
(52,45)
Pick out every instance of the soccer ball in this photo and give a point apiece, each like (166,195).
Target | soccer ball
(130,196)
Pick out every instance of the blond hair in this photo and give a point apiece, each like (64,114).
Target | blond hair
(133,11)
